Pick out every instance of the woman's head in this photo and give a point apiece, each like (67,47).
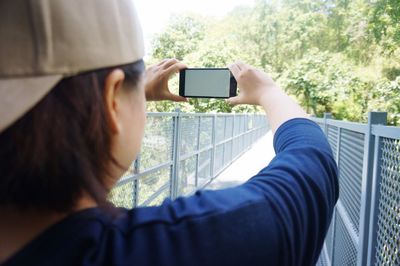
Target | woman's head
(80,137)
(71,100)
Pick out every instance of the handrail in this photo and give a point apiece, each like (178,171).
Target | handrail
(182,152)
(369,182)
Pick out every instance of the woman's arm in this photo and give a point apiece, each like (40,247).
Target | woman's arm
(278,217)
(258,88)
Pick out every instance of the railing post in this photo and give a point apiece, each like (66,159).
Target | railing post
(241,134)
(367,188)
(331,252)
(136,167)
(375,195)
(338,144)
(333,222)
(198,154)
(234,140)
(233,135)
(223,146)
(213,133)
(326,117)
(176,154)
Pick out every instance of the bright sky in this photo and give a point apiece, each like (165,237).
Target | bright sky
(154,14)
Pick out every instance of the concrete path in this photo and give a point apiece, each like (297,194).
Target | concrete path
(249,164)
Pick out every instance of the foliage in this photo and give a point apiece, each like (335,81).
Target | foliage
(384,22)
(180,38)
(311,80)
(388,100)
(334,56)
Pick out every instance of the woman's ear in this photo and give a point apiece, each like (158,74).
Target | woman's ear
(112,93)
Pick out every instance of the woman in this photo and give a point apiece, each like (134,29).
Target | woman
(72,105)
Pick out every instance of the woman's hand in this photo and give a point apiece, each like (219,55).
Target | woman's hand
(156,81)
(258,88)
(254,84)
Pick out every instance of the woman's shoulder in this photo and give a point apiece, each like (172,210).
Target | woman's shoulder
(67,241)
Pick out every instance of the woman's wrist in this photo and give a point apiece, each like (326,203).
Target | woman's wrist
(279,107)
(271,94)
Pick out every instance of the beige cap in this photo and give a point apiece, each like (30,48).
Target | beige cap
(42,41)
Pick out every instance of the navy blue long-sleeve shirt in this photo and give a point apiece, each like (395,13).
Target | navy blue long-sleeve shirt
(278,217)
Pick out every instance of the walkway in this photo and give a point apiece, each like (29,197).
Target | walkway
(249,164)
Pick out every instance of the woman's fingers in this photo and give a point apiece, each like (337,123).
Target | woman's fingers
(173,68)
(234,68)
(162,62)
(242,66)
(157,77)
(176,98)
(169,62)
(234,100)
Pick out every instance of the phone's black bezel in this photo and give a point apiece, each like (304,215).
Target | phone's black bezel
(232,83)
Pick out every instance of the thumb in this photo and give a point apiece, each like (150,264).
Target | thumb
(234,100)
(176,98)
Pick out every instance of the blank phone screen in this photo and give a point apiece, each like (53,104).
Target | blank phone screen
(207,82)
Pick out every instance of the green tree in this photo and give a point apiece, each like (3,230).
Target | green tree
(388,99)
(384,23)
(336,56)
(181,37)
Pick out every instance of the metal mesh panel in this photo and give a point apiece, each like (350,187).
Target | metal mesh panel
(241,143)
(236,126)
(252,135)
(189,134)
(257,133)
(250,122)
(195,133)
(350,173)
(150,184)
(204,174)
(244,136)
(228,127)
(219,129)
(159,199)
(329,238)
(322,260)
(243,126)
(247,138)
(238,141)
(219,158)
(345,252)
(157,142)
(333,138)
(205,132)
(227,152)
(187,175)
(388,234)
(122,195)
(258,121)
(235,147)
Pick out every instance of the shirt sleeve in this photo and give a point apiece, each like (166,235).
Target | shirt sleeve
(302,187)
(278,217)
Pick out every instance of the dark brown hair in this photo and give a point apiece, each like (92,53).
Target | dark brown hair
(62,147)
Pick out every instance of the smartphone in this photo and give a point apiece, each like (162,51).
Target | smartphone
(207,83)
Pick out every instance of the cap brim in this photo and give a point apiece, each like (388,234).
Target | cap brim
(19,95)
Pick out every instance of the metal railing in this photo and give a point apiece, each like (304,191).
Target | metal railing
(183,152)
(365,228)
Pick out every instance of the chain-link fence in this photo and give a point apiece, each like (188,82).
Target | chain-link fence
(365,228)
(183,152)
